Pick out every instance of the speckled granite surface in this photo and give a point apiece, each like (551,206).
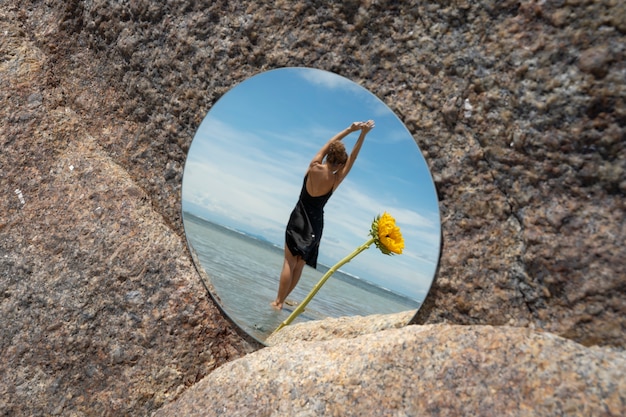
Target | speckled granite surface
(417,370)
(340,327)
(518,107)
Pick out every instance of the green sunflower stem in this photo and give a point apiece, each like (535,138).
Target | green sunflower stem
(321,282)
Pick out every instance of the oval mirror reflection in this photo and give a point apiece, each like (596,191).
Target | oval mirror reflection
(243,177)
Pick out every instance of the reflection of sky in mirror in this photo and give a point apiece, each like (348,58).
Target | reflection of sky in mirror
(247,162)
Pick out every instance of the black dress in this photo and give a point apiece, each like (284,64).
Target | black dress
(304,230)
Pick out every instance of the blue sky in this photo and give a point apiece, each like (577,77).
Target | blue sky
(248,158)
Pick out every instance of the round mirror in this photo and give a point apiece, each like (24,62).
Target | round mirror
(243,177)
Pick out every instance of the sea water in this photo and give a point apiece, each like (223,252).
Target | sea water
(242,273)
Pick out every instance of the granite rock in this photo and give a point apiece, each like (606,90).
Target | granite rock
(102,311)
(339,328)
(441,370)
(531,180)
(518,108)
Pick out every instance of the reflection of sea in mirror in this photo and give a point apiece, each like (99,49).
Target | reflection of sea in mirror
(243,287)
(245,168)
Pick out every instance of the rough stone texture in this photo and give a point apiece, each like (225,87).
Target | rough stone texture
(102,311)
(341,327)
(426,370)
(531,179)
(518,107)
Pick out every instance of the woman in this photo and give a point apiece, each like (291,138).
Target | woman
(304,231)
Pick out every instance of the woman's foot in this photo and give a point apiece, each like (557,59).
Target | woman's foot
(276,305)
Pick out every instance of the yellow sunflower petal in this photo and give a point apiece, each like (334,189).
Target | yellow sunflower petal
(389,235)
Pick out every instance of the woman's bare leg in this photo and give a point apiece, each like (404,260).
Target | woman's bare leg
(284,284)
(289,277)
(297,272)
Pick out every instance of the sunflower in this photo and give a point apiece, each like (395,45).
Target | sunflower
(387,235)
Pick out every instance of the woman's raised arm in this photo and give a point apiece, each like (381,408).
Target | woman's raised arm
(365,128)
(319,157)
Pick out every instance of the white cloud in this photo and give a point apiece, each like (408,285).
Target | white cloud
(332,81)
(328,80)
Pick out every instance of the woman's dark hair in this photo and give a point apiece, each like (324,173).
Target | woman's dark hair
(336,154)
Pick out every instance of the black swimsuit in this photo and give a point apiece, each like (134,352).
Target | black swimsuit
(304,230)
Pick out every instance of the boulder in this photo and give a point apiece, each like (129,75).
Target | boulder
(443,370)
(340,327)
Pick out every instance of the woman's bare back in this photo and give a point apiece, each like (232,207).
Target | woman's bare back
(321,180)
